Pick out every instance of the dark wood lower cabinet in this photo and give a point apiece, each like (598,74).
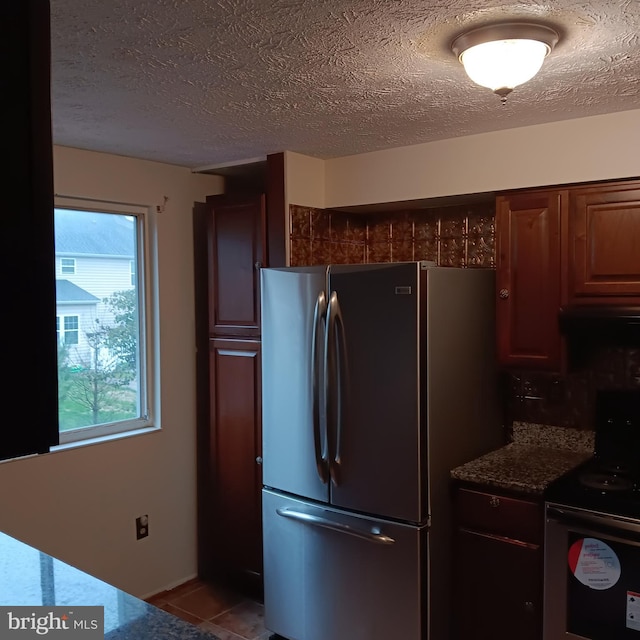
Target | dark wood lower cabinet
(498,567)
(498,588)
(230,525)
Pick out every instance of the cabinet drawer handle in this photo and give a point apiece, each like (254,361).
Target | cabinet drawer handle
(259,460)
(494,501)
(504,294)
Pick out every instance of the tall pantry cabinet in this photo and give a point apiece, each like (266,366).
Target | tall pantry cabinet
(231,237)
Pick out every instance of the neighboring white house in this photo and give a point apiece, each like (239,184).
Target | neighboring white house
(95,257)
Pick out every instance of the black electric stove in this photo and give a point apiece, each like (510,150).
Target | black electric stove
(609,482)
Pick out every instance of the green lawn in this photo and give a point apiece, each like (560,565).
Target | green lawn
(122,407)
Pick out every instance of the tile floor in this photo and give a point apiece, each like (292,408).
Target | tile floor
(226,614)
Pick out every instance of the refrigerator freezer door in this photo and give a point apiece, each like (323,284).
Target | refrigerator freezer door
(378,436)
(331,574)
(292,441)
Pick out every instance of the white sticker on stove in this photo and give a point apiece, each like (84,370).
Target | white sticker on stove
(633,610)
(594,563)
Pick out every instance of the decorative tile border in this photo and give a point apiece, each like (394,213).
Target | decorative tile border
(462,236)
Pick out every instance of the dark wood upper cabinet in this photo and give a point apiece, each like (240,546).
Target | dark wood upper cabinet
(557,247)
(27,233)
(529,278)
(237,250)
(604,237)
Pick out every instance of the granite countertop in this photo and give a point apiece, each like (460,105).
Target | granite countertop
(537,455)
(31,578)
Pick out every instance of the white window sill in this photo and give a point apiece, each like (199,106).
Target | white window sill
(104,438)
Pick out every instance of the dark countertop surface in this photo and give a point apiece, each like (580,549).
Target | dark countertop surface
(519,467)
(29,577)
(537,456)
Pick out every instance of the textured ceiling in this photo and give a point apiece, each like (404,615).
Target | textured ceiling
(205,82)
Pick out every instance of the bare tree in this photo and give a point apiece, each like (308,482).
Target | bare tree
(96,383)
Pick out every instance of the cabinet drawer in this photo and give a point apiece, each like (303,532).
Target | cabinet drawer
(500,515)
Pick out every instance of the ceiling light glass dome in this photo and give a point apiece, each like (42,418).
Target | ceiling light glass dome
(504,56)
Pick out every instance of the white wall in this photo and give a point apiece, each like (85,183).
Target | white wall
(305,180)
(80,505)
(586,149)
(304,185)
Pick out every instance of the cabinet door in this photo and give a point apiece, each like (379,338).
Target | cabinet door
(604,231)
(529,278)
(498,588)
(235,469)
(236,253)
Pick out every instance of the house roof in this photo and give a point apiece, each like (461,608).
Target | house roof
(95,234)
(68,293)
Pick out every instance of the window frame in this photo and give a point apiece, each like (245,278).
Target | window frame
(146,281)
(61,328)
(71,266)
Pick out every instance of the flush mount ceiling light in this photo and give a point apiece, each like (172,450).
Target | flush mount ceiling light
(503,56)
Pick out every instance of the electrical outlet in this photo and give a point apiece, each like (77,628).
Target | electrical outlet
(142,527)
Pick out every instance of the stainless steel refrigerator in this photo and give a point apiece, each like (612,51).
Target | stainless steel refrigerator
(377,380)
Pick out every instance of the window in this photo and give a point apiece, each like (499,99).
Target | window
(67,266)
(68,333)
(71,330)
(102,318)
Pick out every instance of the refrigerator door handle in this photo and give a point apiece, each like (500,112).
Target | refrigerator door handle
(336,372)
(374,535)
(319,316)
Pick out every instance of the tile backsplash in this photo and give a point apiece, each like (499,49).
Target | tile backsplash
(461,236)
(569,400)
(454,236)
